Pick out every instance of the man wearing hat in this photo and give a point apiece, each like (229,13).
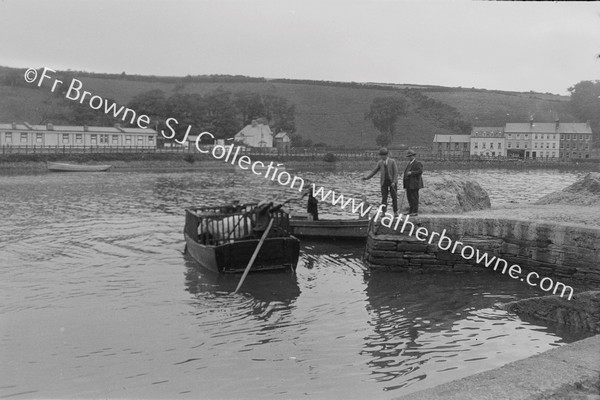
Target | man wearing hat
(413,181)
(388,178)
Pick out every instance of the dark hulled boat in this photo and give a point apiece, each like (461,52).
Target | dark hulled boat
(220,239)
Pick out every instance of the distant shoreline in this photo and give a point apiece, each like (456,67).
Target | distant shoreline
(180,162)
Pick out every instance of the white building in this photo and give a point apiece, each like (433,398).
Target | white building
(488,142)
(256,134)
(49,135)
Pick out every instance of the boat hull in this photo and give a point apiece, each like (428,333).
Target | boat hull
(275,253)
(334,229)
(62,167)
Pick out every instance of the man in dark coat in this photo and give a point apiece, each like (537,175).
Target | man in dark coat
(388,178)
(413,181)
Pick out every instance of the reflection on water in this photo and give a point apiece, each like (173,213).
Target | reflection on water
(98,300)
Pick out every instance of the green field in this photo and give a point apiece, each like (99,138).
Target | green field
(325,112)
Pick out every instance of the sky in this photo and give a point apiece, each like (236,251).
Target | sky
(517,46)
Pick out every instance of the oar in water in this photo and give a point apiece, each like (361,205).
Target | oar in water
(262,239)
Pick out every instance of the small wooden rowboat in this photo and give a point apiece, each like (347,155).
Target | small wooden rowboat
(329,228)
(220,239)
(62,167)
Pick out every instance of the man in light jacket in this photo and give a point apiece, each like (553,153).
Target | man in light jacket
(388,178)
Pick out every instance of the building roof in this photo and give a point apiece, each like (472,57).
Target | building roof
(281,135)
(487,131)
(75,128)
(547,127)
(452,138)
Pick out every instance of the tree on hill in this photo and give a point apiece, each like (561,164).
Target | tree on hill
(585,104)
(384,113)
(280,114)
(249,105)
(221,117)
(153,103)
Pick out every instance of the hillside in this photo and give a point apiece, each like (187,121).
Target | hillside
(330,112)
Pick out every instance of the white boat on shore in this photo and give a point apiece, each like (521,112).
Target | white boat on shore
(63,167)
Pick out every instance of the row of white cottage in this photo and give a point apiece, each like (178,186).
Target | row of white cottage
(21,135)
(520,140)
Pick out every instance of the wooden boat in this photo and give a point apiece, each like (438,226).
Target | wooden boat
(220,239)
(62,167)
(301,226)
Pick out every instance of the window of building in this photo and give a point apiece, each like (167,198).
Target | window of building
(151,141)
(553,154)
(510,135)
(568,145)
(65,138)
(509,145)
(456,146)
(8,137)
(483,145)
(588,137)
(562,145)
(553,145)
(569,136)
(103,139)
(94,139)
(491,145)
(499,145)
(535,136)
(140,140)
(547,145)
(476,145)
(23,137)
(553,137)
(39,138)
(78,138)
(535,145)
(525,145)
(580,137)
(115,139)
(127,139)
(517,145)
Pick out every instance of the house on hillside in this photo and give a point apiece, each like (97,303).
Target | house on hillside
(283,142)
(27,135)
(488,141)
(451,145)
(256,134)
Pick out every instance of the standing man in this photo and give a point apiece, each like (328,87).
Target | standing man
(388,178)
(413,181)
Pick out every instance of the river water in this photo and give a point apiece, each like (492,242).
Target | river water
(99,301)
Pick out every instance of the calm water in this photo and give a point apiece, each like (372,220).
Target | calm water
(98,301)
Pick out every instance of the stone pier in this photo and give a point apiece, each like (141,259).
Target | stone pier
(566,253)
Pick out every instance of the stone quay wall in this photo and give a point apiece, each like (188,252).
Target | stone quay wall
(568,253)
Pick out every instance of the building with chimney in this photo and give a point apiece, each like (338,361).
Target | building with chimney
(575,139)
(256,134)
(544,140)
(488,141)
